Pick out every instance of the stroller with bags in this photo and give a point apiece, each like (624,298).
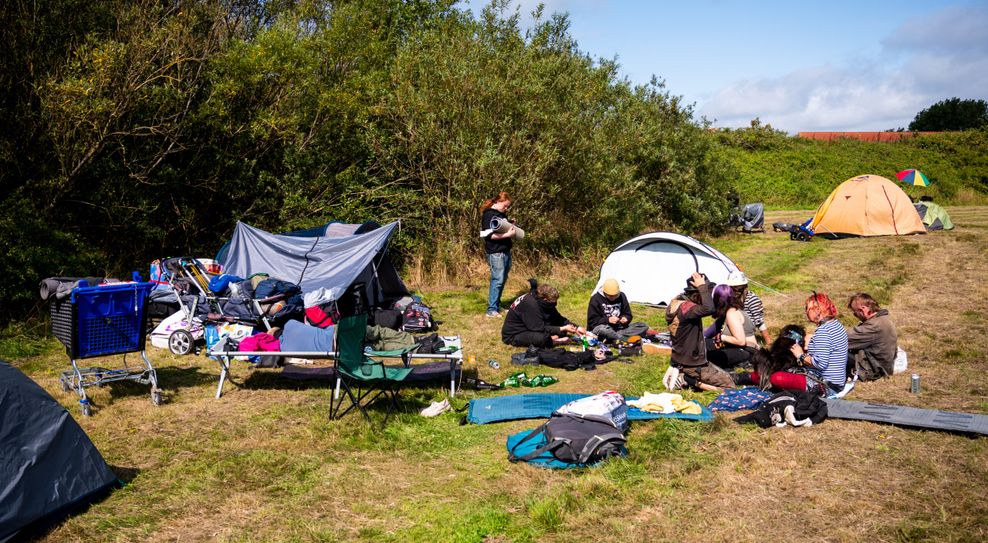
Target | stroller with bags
(211,300)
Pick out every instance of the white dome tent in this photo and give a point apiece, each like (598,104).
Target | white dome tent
(653,268)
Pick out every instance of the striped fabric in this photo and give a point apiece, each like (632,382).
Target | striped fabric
(754,308)
(828,347)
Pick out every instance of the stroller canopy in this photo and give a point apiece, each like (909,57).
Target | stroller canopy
(334,259)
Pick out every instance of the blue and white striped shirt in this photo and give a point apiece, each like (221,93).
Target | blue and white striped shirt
(828,348)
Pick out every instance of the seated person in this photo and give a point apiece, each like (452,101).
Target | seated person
(874,343)
(752,303)
(822,365)
(533,320)
(689,353)
(731,338)
(609,314)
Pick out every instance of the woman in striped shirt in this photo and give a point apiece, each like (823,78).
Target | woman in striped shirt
(825,357)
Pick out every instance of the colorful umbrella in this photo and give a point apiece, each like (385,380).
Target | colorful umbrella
(913,177)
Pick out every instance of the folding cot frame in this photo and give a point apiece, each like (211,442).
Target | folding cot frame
(455,361)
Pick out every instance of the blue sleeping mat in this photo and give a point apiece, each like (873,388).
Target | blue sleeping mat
(541,406)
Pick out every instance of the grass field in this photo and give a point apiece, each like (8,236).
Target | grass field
(264,463)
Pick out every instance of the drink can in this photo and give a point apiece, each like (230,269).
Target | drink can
(914,384)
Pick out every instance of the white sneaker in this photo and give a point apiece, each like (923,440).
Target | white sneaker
(436,409)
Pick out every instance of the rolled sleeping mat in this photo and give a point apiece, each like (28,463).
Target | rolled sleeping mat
(500,226)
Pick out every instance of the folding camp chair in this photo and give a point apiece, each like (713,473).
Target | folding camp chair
(364,379)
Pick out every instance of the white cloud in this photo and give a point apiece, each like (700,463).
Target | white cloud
(926,60)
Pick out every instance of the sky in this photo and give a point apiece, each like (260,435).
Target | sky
(799,65)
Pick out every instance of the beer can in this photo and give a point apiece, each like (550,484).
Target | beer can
(914,384)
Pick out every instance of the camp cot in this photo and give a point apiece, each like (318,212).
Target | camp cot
(866,205)
(653,268)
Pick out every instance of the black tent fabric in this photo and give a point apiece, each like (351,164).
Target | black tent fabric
(48,465)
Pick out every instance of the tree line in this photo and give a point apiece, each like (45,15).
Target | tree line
(146,129)
(142,129)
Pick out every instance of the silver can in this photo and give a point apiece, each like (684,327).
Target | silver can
(914,384)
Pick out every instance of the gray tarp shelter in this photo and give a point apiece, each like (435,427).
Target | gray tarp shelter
(335,257)
(48,465)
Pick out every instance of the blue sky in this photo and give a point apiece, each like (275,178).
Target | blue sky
(801,65)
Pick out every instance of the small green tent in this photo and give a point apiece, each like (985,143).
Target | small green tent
(934,216)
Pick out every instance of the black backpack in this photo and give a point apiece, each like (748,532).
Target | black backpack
(574,440)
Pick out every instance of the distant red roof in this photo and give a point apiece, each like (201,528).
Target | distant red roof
(863,136)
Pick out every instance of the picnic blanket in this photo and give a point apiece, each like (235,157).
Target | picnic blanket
(740,399)
(542,405)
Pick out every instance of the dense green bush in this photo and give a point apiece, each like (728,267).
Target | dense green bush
(149,129)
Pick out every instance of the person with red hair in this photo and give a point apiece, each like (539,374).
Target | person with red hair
(819,367)
(826,353)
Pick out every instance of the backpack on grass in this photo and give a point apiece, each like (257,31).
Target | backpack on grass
(583,432)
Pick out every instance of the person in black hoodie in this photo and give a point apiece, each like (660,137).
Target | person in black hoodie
(497,245)
(533,320)
(609,314)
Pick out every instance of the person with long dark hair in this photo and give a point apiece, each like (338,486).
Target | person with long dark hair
(497,245)
(731,338)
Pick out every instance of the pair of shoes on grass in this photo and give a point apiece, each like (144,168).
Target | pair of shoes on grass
(436,409)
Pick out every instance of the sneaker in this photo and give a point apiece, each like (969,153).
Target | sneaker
(492,314)
(436,409)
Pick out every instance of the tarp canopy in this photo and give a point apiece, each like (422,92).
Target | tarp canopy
(653,268)
(934,216)
(48,465)
(335,259)
(867,205)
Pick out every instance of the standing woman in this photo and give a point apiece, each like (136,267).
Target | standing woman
(497,245)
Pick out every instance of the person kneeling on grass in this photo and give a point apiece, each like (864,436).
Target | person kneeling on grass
(533,320)
(609,314)
(689,353)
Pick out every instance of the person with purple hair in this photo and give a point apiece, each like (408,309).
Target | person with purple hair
(731,338)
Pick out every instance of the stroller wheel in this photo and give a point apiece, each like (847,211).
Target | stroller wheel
(156,396)
(65,384)
(87,410)
(180,342)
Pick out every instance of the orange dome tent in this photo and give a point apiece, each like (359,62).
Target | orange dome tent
(867,205)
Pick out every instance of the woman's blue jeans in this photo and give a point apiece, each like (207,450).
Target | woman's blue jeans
(500,264)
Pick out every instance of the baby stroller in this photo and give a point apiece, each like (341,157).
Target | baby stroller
(201,305)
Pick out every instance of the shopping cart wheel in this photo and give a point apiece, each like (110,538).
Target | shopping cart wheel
(180,342)
(156,396)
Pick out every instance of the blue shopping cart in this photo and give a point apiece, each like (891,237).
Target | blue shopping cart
(101,321)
